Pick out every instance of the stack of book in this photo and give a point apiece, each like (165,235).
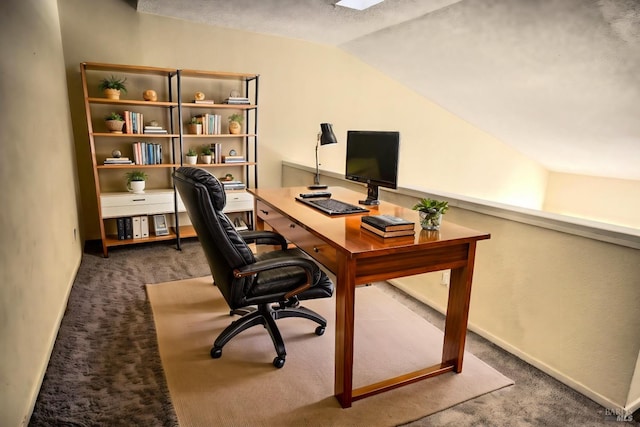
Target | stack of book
(203,101)
(117,161)
(233,159)
(238,100)
(147,153)
(154,130)
(233,185)
(387,225)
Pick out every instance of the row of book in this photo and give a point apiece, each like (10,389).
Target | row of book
(211,123)
(133,122)
(387,225)
(147,153)
(133,227)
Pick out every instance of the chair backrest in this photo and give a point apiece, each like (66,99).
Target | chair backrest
(204,197)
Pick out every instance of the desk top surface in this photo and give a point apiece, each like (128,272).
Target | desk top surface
(344,232)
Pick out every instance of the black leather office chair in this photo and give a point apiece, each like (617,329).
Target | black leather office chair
(273,281)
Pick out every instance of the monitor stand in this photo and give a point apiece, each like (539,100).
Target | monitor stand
(372,196)
(317,187)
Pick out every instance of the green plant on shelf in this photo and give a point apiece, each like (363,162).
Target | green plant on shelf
(113,116)
(206,150)
(136,176)
(113,82)
(239,118)
(431,206)
(191,152)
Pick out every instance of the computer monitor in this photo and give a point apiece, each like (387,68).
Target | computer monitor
(372,158)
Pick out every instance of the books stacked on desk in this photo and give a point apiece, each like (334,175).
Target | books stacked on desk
(387,225)
(117,161)
(238,100)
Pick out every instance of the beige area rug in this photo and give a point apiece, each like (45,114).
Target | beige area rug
(242,388)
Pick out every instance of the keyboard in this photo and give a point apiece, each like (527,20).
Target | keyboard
(332,206)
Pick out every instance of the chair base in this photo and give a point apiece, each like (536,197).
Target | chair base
(266,315)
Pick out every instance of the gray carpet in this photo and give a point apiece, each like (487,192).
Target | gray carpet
(105,368)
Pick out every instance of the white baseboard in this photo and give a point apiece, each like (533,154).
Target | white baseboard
(575,385)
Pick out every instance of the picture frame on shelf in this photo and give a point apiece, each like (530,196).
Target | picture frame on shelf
(160,225)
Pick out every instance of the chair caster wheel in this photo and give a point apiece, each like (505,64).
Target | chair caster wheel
(278,362)
(216,353)
(320,330)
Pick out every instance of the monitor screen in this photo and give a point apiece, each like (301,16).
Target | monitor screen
(372,158)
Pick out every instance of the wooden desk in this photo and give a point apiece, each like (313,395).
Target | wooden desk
(357,256)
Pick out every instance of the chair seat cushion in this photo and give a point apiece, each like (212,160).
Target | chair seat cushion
(288,278)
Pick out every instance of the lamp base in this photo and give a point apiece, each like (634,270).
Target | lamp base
(317,187)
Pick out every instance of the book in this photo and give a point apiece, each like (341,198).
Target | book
(128,228)
(397,233)
(203,101)
(387,222)
(120,226)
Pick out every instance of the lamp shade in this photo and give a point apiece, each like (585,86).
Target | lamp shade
(327,136)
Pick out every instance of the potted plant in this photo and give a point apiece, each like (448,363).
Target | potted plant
(431,211)
(136,181)
(206,155)
(114,122)
(193,127)
(235,123)
(192,157)
(112,86)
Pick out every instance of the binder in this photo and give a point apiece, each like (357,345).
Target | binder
(144,226)
(136,227)
(128,228)
(120,225)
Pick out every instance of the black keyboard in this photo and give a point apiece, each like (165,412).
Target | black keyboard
(333,206)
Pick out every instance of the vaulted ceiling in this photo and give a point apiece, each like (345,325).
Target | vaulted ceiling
(558,80)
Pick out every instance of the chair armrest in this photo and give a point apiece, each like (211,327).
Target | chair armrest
(308,265)
(264,237)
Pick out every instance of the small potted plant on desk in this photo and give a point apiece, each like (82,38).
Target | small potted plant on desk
(112,86)
(192,157)
(431,211)
(136,181)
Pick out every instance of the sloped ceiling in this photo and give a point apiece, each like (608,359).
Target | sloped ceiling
(558,80)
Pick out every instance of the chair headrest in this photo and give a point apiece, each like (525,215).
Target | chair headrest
(210,182)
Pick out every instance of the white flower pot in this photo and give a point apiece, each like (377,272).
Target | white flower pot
(206,159)
(191,160)
(136,186)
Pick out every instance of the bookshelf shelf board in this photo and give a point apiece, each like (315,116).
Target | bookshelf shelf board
(220,106)
(220,135)
(135,69)
(135,135)
(139,102)
(223,165)
(134,166)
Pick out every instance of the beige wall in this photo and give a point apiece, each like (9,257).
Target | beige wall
(615,201)
(40,245)
(301,85)
(565,303)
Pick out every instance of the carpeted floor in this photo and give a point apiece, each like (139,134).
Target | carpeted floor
(105,368)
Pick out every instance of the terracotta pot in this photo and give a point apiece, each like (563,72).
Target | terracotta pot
(194,129)
(112,93)
(234,128)
(114,126)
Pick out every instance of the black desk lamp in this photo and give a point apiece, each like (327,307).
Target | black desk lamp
(325,136)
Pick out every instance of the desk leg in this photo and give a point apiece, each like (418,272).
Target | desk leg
(345,294)
(455,330)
